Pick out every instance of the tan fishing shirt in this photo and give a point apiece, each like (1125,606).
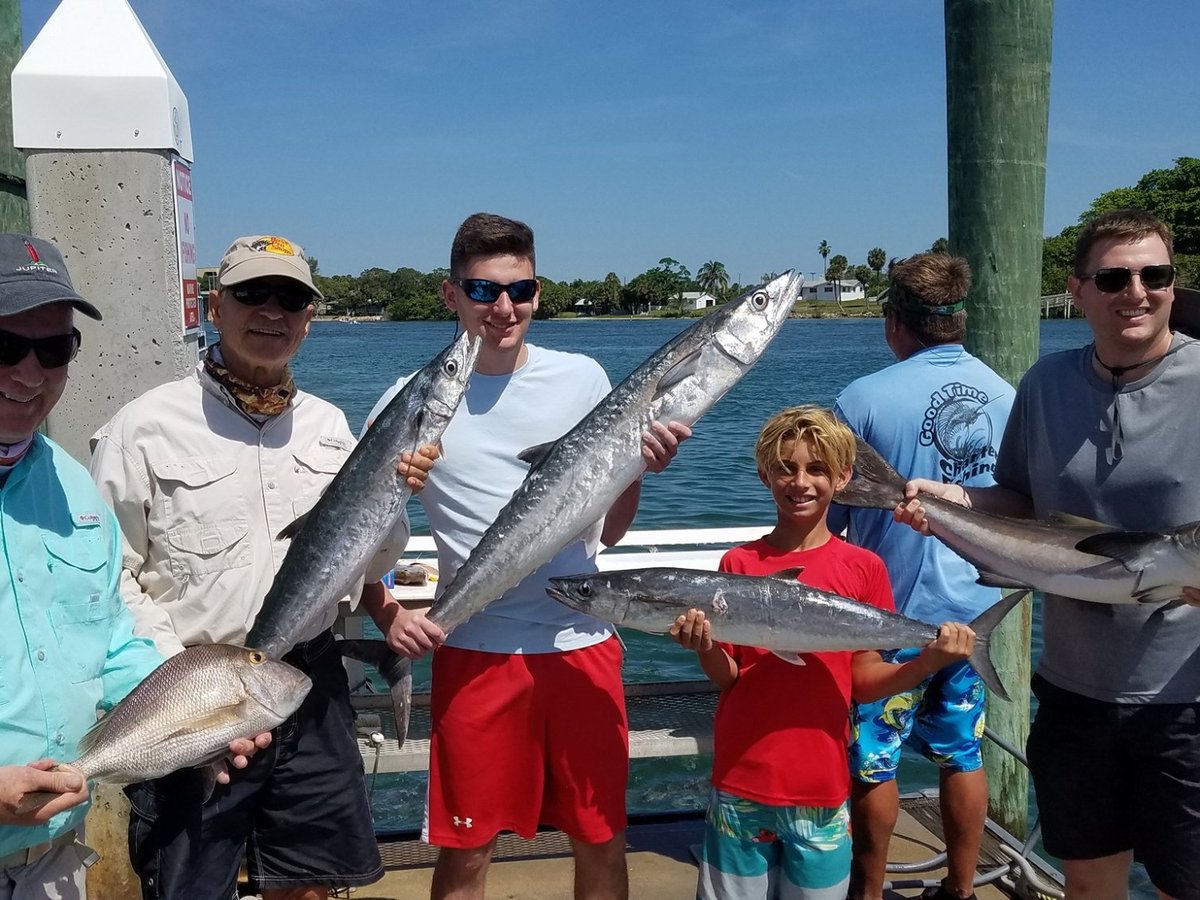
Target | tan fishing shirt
(201,490)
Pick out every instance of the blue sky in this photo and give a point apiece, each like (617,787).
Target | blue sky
(745,131)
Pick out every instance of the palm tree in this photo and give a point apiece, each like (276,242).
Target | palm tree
(835,273)
(713,279)
(824,250)
(876,259)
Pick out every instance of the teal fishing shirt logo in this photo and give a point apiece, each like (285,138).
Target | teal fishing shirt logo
(958,426)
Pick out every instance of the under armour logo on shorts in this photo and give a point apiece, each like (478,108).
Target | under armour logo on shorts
(463,823)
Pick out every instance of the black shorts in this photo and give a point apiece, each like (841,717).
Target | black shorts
(1112,777)
(298,814)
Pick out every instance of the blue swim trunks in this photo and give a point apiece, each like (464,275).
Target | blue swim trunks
(753,851)
(942,718)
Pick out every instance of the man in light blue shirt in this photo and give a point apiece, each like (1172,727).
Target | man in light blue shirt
(67,647)
(937,413)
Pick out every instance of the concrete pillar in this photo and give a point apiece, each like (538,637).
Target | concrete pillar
(111,213)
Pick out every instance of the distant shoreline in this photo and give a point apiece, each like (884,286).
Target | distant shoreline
(357,320)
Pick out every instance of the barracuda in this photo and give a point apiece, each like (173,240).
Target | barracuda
(1069,557)
(776,612)
(574,480)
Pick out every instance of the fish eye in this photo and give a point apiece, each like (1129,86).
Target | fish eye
(256,657)
(451,367)
(759,300)
(585,589)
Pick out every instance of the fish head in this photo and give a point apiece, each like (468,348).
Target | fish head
(449,373)
(743,328)
(593,594)
(274,685)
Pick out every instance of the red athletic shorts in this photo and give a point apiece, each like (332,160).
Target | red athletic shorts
(526,739)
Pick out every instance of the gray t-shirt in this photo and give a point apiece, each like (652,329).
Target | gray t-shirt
(1057,449)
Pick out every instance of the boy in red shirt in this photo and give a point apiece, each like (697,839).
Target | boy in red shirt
(777,823)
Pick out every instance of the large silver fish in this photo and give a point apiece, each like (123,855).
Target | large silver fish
(1069,557)
(776,612)
(333,544)
(574,480)
(186,712)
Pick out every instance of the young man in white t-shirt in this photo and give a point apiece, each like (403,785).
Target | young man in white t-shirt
(528,709)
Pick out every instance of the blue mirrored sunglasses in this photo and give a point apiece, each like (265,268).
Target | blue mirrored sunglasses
(480,290)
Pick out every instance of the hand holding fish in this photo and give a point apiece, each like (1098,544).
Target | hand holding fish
(661,443)
(693,631)
(240,751)
(910,512)
(409,632)
(414,467)
(1191,596)
(954,643)
(41,777)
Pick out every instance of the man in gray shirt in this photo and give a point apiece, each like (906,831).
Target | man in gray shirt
(1108,432)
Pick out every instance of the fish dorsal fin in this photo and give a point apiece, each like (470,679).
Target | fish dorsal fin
(1063,518)
(683,369)
(535,454)
(791,574)
(294,529)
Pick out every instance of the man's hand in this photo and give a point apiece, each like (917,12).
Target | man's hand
(411,634)
(69,786)
(910,512)
(693,631)
(1191,596)
(954,642)
(661,443)
(414,467)
(241,750)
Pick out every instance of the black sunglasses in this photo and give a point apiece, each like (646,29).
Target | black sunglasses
(480,290)
(1114,279)
(290,299)
(52,352)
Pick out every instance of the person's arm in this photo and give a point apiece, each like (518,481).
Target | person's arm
(994,499)
(659,446)
(16,782)
(693,632)
(408,632)
(873,679)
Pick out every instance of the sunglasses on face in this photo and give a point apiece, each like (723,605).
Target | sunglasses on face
(480,290)
(1115,279)
(290,299)
(52,352)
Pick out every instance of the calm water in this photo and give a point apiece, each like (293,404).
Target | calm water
(712,482)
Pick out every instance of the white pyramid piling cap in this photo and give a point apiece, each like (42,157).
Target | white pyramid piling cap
(93,80)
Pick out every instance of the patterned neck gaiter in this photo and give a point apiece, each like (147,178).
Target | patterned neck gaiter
(250,398)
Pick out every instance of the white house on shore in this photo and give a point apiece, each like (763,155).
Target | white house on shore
(699,300)
(846,289)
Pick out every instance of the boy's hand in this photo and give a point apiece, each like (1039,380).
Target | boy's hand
(693,631)
(414,467)
(411,634)
(954,642)
(661,443)
(240,751)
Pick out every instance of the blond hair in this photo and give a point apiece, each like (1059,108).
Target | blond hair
(831,441)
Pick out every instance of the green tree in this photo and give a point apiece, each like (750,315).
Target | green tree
(941,245)
(865,275)
(823,249)
(713,279)
(610,293)
(877,259)
(680,277)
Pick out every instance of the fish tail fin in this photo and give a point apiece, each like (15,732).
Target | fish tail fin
(396,671)
(875,485)
(983,626)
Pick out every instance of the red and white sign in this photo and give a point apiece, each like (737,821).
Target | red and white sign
(189,291)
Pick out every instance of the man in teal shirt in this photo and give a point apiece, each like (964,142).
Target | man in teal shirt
(67,647)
